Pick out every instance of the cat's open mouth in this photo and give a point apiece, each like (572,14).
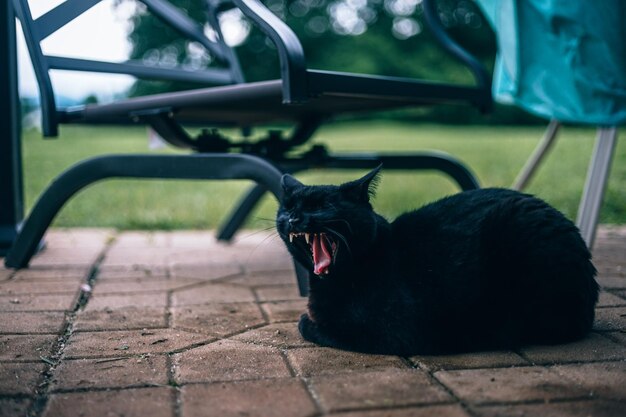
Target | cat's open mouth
(321,246)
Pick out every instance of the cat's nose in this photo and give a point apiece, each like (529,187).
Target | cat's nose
(294,221)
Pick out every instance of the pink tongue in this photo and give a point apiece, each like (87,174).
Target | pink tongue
(321,255)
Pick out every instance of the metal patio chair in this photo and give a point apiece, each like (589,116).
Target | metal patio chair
(565,62)
(303,97)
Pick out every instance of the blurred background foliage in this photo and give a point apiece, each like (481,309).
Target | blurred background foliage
(384,37)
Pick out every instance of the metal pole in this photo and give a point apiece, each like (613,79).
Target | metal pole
(537,157)
(595,185)
(11,190)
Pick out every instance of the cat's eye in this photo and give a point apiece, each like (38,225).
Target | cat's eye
(311,204)
(288,204)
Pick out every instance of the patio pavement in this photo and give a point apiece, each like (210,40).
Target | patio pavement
(179,325)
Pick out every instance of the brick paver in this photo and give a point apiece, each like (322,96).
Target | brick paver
(139,370)
(122,318)
(600,408)
(20,378)
(500,385)
(613,318)
(257,279)
(228,360)
(388,388)
(278,311)
(217,319)
(130,342)
(275,398)
(17,406)
(278,293)
(619,336)
(43,274)
(212,293)
(604,379)
(38,302)
(100,302)
(31,322)
(469,360)
(213,271)
(280,335)
(322,360)
(142,285)
(593,348)
(175,324)
(21,286)
(126,272)
(134,402)
(26,347)
(611,300)
(421,411)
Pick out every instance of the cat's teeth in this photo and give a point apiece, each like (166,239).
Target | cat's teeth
(291,237)
(306,237)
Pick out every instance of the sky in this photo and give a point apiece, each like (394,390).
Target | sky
(98,34)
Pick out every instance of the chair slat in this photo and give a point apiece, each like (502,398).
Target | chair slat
(209,76)
(61,15)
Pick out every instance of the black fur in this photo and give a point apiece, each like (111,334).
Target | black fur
(483,269)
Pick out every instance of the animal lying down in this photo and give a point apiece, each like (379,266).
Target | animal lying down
(483,269)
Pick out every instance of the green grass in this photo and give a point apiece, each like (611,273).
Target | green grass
(495,154)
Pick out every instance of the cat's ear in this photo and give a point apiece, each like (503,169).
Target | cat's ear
(290,184)
(365,187)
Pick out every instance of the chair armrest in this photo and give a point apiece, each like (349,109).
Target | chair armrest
(290,52)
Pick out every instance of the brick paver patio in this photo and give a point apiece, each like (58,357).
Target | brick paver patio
(175,324)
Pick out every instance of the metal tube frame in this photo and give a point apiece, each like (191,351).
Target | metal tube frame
(541,151)
(298,85)
(35,30)
(595,184)
(11,189)
(198,167)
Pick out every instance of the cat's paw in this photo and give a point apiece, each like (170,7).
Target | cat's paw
(307,328)
(311,332)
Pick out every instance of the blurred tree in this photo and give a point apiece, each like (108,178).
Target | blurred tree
(370,36)
(91,99)
(386,37)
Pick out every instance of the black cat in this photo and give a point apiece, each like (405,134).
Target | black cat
(483,269)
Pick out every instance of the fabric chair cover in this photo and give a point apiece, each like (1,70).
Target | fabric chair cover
(561,59)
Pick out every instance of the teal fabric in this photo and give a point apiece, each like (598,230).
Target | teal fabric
(561,59)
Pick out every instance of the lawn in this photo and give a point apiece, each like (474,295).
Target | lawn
(495,154)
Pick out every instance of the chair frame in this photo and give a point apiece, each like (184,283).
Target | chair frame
(596,180)
(262,161)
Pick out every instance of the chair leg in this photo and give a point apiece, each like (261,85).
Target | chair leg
(531,166)
(217,166)
(241,213)
(595,185)
(202,166)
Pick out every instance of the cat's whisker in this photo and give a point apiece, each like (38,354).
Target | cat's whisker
(256,232)
(262,230)
(269,237)
(265,219)
(265,240)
